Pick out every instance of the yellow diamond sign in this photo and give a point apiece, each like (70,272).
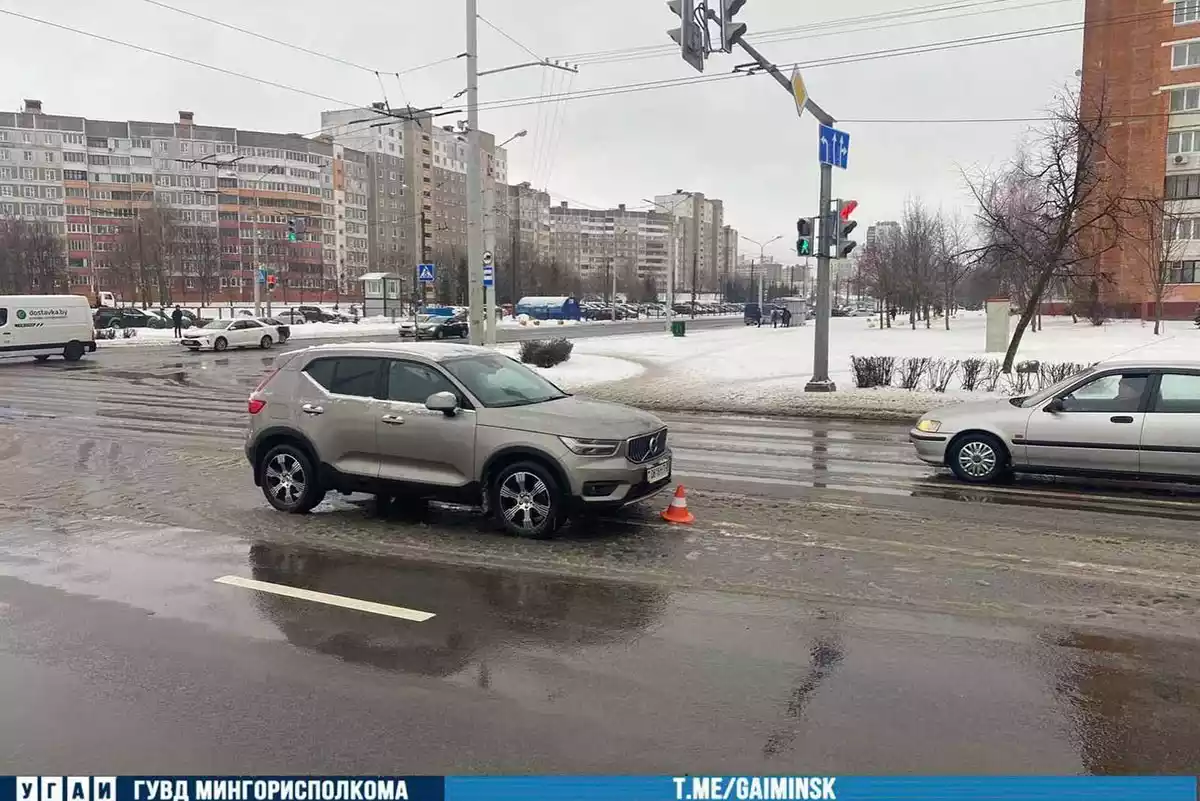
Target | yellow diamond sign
(799,91)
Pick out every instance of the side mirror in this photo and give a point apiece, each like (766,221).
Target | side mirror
(1055,406)
(444,402)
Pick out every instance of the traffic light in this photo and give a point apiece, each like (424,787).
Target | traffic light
(691,33)
(731,31)
(805,230)
(844,227)
(291,229)
(270,282)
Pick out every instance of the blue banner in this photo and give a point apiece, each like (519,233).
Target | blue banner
(596,788)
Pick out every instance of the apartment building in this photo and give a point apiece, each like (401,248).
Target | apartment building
(528,218)
(417,183)
(699,222)
(881,232)
(603,244)
(231,196)
(1141,60)
(727,253)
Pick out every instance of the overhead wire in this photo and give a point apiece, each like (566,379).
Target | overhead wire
(201,64)
(838,26)
(500,31)
(929,47)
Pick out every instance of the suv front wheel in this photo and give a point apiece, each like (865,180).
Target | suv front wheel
(527,501)
(289,480)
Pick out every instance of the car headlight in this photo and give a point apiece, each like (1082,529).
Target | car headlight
(591,447)
(929,426)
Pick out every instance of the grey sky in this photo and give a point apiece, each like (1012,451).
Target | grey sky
(737,139)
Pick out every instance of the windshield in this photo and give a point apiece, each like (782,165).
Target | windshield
(497,381)
(216,324)
(1049,392)
(431,318)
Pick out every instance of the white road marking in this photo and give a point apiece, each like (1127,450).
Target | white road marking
(415,615)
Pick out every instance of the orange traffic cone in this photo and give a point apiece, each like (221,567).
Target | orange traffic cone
(678,512)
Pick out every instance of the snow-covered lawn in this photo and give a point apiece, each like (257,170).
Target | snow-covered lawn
(368,326)
(764,370)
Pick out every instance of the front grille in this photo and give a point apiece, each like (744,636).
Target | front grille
(647,446)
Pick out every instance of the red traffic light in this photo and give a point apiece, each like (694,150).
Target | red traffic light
(847,209)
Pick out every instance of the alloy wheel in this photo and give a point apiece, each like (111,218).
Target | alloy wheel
(285,479)
(525,501)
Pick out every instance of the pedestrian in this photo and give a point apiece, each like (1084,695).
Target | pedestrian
(177,318)
(787,318)
(774,318)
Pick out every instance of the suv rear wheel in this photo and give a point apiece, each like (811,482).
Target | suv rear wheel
(527,501)
(289,480)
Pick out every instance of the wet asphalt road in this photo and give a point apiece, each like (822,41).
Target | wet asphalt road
(838,604)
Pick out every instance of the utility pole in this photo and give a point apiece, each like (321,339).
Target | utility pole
(475,298)
(696,208)
(489,246)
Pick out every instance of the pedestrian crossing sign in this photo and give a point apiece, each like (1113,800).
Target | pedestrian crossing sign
(425,273)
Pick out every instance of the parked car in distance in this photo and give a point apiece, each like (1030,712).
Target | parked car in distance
(292,316)
(219,335)
(436,326)
(1131,419)
(285,330)
(316,314)
(126,317)
(449,422)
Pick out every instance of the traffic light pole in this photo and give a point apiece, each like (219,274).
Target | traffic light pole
(820,381)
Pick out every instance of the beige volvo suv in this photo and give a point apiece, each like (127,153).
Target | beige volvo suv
(446,422)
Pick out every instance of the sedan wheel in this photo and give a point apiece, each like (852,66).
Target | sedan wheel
(220,344)
(265,343)
(527,501)
(978,458)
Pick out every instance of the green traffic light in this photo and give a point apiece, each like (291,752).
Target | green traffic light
(803,247)
(291,237)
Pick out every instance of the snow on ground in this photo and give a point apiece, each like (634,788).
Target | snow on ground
(764,370)
(368,326)
(583,369)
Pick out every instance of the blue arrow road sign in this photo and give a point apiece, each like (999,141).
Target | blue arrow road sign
(426,273)
(835,147)
(489,275)
(262,275)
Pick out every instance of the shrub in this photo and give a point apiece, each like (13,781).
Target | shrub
(912,370)
(941,373)
(872,371)
(971,371)
(546,352)
(1052,373)
(989,379)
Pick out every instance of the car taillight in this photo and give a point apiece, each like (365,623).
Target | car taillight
(255,405)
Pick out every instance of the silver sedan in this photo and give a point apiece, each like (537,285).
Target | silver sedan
(1136,419)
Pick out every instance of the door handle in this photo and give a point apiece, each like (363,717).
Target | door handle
(1124,418)
(393,419)
(308,408)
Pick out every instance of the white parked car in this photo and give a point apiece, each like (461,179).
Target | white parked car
(220,335)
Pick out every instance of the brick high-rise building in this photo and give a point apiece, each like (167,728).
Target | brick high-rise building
(1141,58)
(97,181)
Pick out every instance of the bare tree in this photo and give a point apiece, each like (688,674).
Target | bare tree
(954,260)
(1052,209)
(876,267)
(917,259)
(32,258)
(1156,229)
(201,258)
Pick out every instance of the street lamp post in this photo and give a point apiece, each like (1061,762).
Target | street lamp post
(674,255)
(491,321)
(762,259)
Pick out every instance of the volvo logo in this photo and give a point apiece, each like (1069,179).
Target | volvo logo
(658,444)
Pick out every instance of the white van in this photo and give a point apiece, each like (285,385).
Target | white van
(42,326)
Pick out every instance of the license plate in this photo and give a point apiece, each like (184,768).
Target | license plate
(658,471)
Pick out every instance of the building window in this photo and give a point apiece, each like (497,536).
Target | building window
(1185,99)
(27,155)
(1185,54)
(1184,272)
(1187,11)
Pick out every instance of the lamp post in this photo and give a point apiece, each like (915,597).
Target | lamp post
(489,245)
(671,267)
(762,258)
